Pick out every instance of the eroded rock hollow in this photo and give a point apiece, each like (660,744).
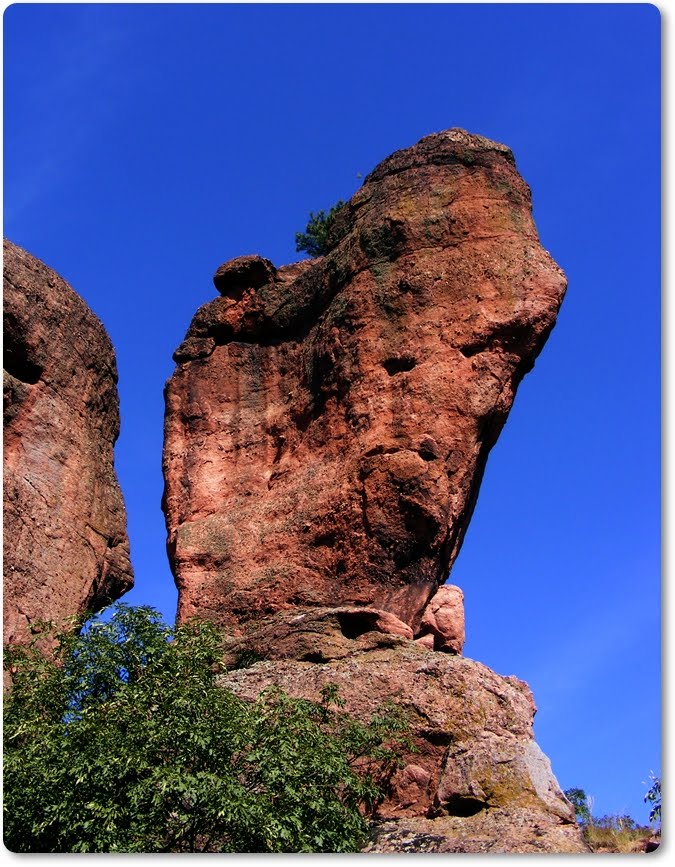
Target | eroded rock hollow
(65,542)
(328,422)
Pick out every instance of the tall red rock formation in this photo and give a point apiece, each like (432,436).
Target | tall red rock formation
(328,422)
(65,542)
(326,431)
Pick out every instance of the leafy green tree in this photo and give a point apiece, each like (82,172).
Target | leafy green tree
(653,797)
(579,800)
(316,239)
(122,741)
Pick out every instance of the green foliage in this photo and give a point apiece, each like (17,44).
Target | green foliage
(610,833)
(614,833)
(616,823)
(122,741)
(653,797)
(579,800)
(316,239)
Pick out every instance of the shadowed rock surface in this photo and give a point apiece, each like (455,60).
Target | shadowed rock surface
(328,422)
(65,541)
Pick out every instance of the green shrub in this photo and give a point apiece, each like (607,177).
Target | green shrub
(316,239)
(122,741)
(614,833)
(607,833)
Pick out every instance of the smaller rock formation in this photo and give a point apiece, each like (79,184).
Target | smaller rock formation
(320,634)
(246,272)
(65,542)
(443,619)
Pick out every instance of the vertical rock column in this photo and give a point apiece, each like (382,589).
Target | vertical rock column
(65,542)
(328,422)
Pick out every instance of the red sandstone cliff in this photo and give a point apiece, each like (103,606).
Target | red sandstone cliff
(65,542)
(328,422)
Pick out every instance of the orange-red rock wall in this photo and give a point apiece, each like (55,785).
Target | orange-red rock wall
(327,424)
(65,542)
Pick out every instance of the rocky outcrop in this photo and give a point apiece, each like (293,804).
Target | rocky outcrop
(326,431)
(65,542)
(475,779)
(328,422)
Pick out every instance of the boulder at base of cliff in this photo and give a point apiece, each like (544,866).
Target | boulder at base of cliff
(476,769)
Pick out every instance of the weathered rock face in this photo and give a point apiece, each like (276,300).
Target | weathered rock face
(65,542)
(477,780)
(328,422)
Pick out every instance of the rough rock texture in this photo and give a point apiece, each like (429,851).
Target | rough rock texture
(326,431)
(513,831)
(443,619)
(477,782)
(65,542)
(316,634)
(328,422)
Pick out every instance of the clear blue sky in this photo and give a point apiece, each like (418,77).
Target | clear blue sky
(145,145)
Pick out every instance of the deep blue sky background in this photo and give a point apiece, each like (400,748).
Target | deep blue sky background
(145,145)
